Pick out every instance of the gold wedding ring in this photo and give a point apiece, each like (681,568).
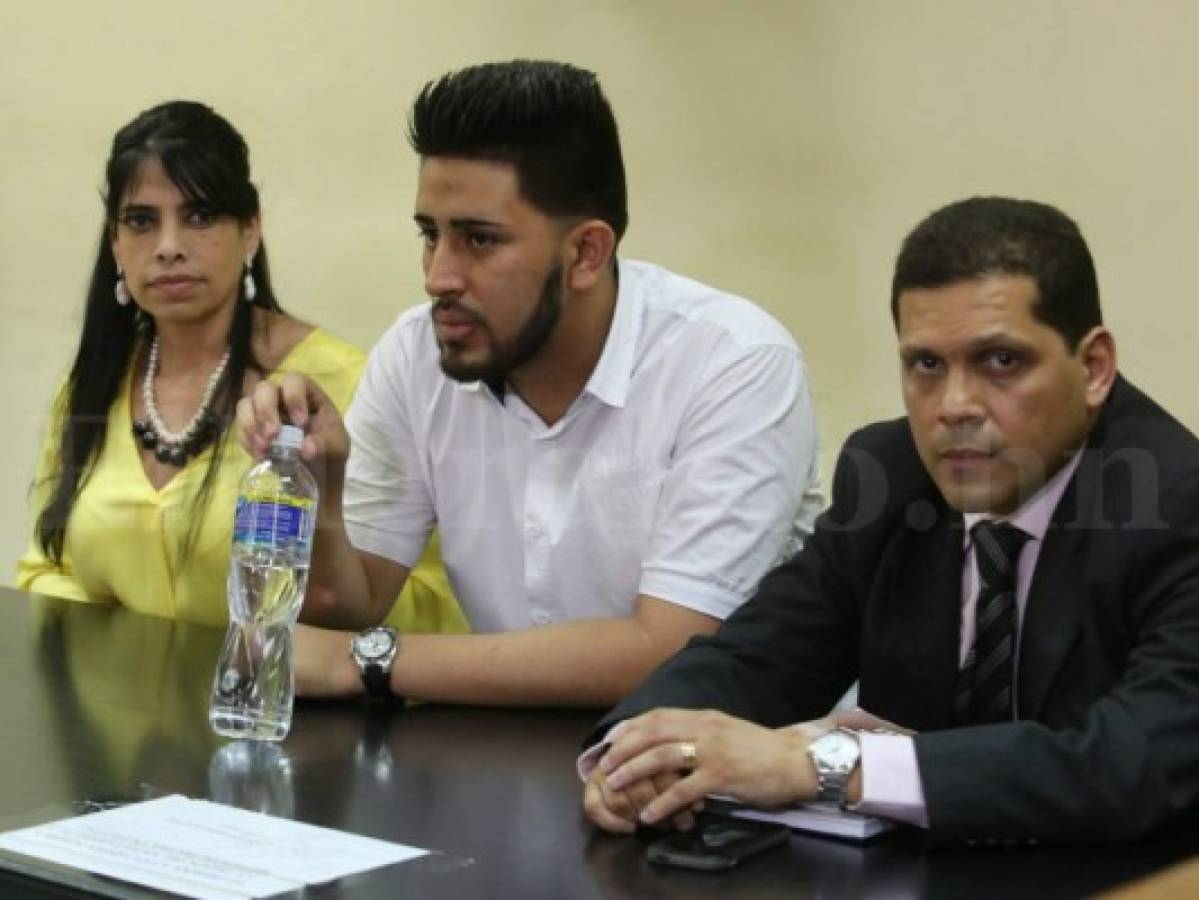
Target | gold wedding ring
(690,757)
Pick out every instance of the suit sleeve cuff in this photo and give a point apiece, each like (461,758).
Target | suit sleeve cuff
(891,785)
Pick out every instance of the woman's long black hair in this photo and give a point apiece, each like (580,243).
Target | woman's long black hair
(208,161)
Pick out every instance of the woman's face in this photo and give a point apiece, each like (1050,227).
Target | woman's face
(182,262)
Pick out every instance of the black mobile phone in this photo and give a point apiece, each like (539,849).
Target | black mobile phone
(715,844)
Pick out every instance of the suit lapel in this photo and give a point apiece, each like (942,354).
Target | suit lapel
(1055,606)
(1051,621)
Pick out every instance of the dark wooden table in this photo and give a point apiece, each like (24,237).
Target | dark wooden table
(102,706)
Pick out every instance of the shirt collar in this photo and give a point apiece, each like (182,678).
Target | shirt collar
(1034,514)
(609,381)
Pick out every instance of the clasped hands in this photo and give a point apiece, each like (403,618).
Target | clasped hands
(659,767)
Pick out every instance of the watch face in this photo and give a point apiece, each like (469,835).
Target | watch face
(836,749)
(374,644)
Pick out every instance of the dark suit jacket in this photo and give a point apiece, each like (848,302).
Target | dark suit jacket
(1107,742)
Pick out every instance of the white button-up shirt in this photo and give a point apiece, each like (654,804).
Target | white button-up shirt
(684,470)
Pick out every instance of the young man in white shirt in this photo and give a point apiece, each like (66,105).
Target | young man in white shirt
(613,454)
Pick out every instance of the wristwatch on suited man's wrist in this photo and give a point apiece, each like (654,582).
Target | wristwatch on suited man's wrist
(835,755)
(374,650)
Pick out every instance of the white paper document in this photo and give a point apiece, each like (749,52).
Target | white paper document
(204,850)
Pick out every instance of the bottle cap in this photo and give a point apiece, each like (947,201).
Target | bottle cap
(289,437)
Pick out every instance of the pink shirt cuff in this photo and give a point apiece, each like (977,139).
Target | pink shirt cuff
(891,786)
(590,757)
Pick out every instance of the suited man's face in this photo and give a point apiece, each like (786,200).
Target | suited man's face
(996,401)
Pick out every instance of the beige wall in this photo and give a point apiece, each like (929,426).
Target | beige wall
(777,149)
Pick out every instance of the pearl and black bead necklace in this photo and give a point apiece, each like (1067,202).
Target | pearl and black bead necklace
(174,448)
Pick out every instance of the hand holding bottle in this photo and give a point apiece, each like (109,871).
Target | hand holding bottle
(297,400)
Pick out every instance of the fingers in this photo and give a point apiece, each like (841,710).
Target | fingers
(262,412)
(659,749)
(621,811)
(657,761)
(677,802)
(609,810)
(685,819)
(255,430)
(689,754)
(300,397)
(657,785)
(258,417)
(677,726)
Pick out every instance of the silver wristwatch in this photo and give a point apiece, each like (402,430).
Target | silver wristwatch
(374,650)
(835,755)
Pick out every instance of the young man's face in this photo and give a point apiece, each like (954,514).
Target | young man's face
(492,267)
(996,402)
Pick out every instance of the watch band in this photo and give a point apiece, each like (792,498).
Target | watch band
(833,787)
(377,680)
(834,771)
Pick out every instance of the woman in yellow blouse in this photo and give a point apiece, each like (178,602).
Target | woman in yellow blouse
(137,482)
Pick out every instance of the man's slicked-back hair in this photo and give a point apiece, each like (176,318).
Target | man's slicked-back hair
(550,120)
(986,236)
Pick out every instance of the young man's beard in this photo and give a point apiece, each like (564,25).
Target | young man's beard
(533,336)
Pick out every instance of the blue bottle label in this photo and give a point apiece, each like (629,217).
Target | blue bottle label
(271,521)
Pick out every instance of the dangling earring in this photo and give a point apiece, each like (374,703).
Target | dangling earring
(250,286)
(120,291)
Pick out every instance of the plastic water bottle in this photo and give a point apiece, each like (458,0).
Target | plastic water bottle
(254,686)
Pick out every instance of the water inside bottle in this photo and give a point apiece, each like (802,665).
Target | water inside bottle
(253,691)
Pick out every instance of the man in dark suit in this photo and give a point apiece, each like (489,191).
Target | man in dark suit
(1011,572)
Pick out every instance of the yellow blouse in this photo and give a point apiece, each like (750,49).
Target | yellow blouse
(125,539)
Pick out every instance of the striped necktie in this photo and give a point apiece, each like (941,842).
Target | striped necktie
(984,690)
